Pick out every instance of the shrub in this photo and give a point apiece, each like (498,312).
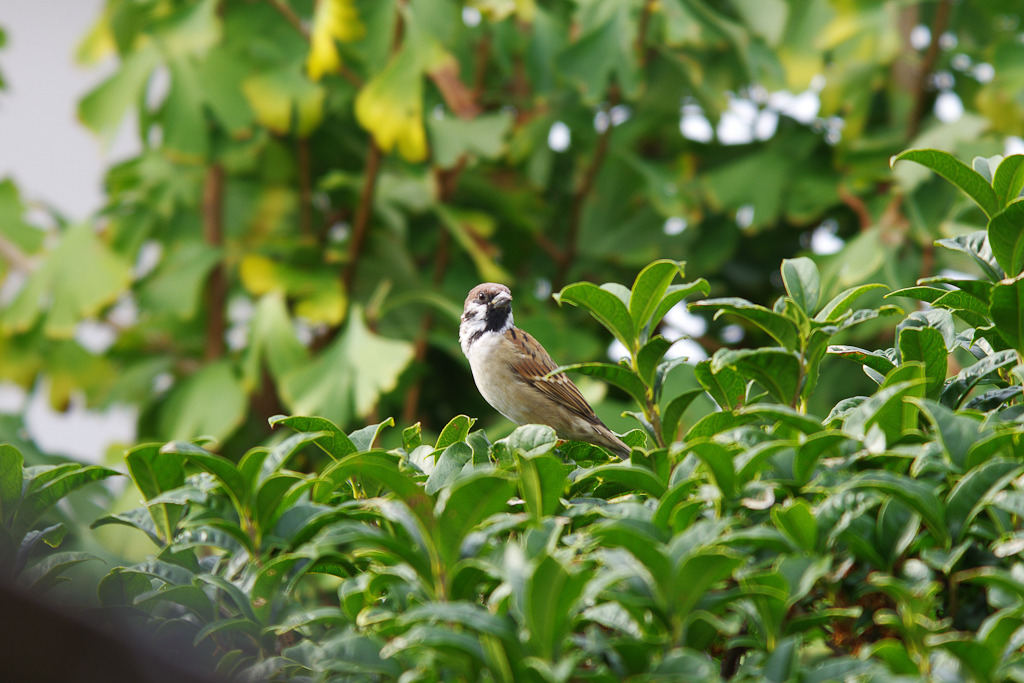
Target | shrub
(758,542)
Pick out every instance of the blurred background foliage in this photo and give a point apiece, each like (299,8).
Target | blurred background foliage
(321,182)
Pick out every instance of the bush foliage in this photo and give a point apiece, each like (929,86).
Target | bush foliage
(758,543)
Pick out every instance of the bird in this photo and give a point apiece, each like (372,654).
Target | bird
(511,369)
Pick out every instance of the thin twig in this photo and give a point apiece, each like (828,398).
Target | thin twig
(289,14)
(858,206)
(412,396)
(580,197)
(217,284)
(931,56)
(364,210)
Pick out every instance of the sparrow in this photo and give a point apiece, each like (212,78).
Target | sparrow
(511,371)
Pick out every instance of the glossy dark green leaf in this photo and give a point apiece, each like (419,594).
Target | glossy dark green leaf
(11,462)
(337,445)
(776,369)
(966,179)
(471,500)
(919,495)
(450,462)
(779,327)
(842,303)
(619,375)
(803,283)
(976,246)
(542,480)
(649,288)
(364,437)
(380,468)
(926,345)
(1006,238)
(629,477)
(649,357)
(725,385)
(673,413)
(456,430)
(607,308)
(1007,311)
(550,604)
(976,490)
(122,586)
(37,499)
(154,472)
(796,522)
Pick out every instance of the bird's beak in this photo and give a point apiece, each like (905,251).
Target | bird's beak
(501,300)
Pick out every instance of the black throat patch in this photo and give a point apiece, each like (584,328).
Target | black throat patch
(495,318)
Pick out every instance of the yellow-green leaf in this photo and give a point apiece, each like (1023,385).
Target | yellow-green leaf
(334,20)
(390,106)
(285,101)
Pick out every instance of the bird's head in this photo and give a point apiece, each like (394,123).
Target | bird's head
(488,309)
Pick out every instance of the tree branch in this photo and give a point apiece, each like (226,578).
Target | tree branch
(579,199)
(927,66)
(305,188)
(361,223)
(216,285)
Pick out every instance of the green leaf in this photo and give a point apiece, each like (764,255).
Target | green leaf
(887,408)
(607,49)
(454,138)
(957,433)
(797,523)
(541,482)
(619,375)
(78,278)
(349,377)
(223,470)
(550,603)
(926,345)
(779,327)
(23,235)
(449,464)
(468,502)
(1009,179)
(155,472)
(629,477)
(607,308)
(966,179)
(273,344)
(975,490)
(122,586)
(47,488)
(649,288)
(869,359)
(725,385)
(694,576)
(676,293)
(175,285)
(473,231)
(47,573)
(11,463)
(718,460)
(364,437)
(835,309)
(380,468)
(803,284)
(776,369)
(335,443)
(455,431)
(649,357)
(673,413)
(1006,237)
(976,245)
(918,495)
(1007,311)
(211,402)
(103,108)
(285,101)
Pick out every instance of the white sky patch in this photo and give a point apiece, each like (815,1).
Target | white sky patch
(559,137)
(732,334)
(148,257)
(95,336)
(680,319)
(78,432)
(983,72)
(471,16)
(1014,145)
(674,225)
(920,37)
(948,107)
(694,125)
(745,216)
(824,239)
(12,398)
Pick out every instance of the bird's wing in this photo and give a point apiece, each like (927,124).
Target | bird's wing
(532,363)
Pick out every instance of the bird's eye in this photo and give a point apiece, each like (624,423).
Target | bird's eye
(481,297)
